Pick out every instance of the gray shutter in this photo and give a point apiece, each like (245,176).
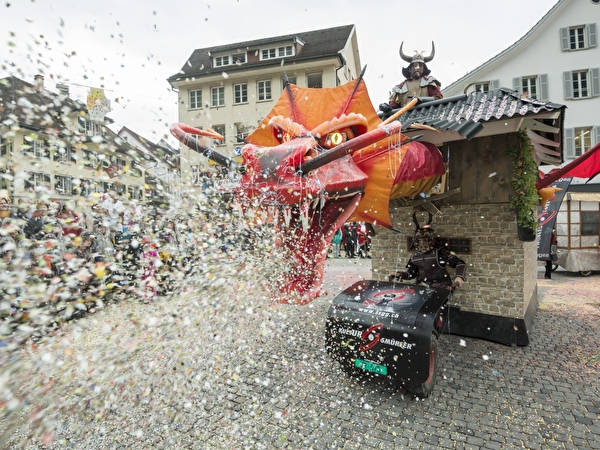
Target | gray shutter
(596,135)
(569,144)
(592,35)
(494,84)
(518,85)
(568,85)
(595,81)
(543,88)
(564,40)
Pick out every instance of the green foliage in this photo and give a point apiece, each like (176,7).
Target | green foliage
(525,170)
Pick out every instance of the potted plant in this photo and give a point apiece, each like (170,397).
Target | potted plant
(526,198)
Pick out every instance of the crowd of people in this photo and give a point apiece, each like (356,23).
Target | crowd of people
(52,254)
(354,238)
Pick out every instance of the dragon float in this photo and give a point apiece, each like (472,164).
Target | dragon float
(322,157)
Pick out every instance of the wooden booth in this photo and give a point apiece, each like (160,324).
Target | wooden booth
(472,210)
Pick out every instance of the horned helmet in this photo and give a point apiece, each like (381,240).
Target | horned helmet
(424,238)
(416,58)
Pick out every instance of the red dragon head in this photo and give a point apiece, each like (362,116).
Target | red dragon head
(311,175)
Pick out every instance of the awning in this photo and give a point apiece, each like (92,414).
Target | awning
(584,196)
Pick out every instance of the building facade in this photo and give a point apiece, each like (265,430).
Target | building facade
(52,148)
(231,88)
(558,60)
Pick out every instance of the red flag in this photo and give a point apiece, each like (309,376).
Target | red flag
(584,166)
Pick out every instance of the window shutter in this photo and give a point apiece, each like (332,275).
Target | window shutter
(518,85)
(596,135)
(543,90)
(595,81)
(592,35)
(568,84)
(569,144)
(494,85)
(564,40)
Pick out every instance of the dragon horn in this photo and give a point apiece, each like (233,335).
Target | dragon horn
(430,57)
(184,134)
(405,57)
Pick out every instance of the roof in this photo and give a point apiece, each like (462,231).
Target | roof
(316,44)
(495,112)
(506,51)
(161,153)
(33,107)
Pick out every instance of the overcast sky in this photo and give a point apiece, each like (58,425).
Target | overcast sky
(131,50)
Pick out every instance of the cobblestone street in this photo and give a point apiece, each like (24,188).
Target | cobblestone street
(287,393)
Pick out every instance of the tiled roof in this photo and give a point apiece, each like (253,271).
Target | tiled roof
(33,107)
(317,44)
(468,115)
(164,154)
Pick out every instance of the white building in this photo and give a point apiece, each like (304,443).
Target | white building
(557,60)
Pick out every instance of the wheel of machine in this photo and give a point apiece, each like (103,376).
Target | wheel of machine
(585,273)
(425,389)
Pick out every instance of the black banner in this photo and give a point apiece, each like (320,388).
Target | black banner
(547,218)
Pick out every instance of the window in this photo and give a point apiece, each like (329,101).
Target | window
(583,140)
(314,80)
(89,127)
(590,223)
(217,95)
(535,86)
(240,93)
(196,175)
(241,132)
(63,184)
(582,84)
(221,130)
(6,147)
(120,163)
(40,150)
(222,61)
(264,90)
(486,86)
(456,245)
(239,58)
(64,155)
(578,37)
(196,99)
(277,52)
(4,183)
(579,140)
(228,60)
(291,79)
(37,181)
(482,87)
(135,193)
(135,170)
(90,160)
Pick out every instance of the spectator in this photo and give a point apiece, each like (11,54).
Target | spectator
(337,241)
(69,220)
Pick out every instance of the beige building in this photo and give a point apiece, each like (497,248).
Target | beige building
(231,88)
(51,148)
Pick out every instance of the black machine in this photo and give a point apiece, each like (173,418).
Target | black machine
(390,330)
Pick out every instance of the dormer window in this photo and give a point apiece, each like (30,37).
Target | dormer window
(277,52)
(228,60)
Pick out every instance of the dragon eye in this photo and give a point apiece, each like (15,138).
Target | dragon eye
(334,139)
(337,138)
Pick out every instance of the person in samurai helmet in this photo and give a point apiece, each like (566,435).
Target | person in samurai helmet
(418,82)
(430,261)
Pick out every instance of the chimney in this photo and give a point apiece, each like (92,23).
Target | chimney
(38,81)
(63,89)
